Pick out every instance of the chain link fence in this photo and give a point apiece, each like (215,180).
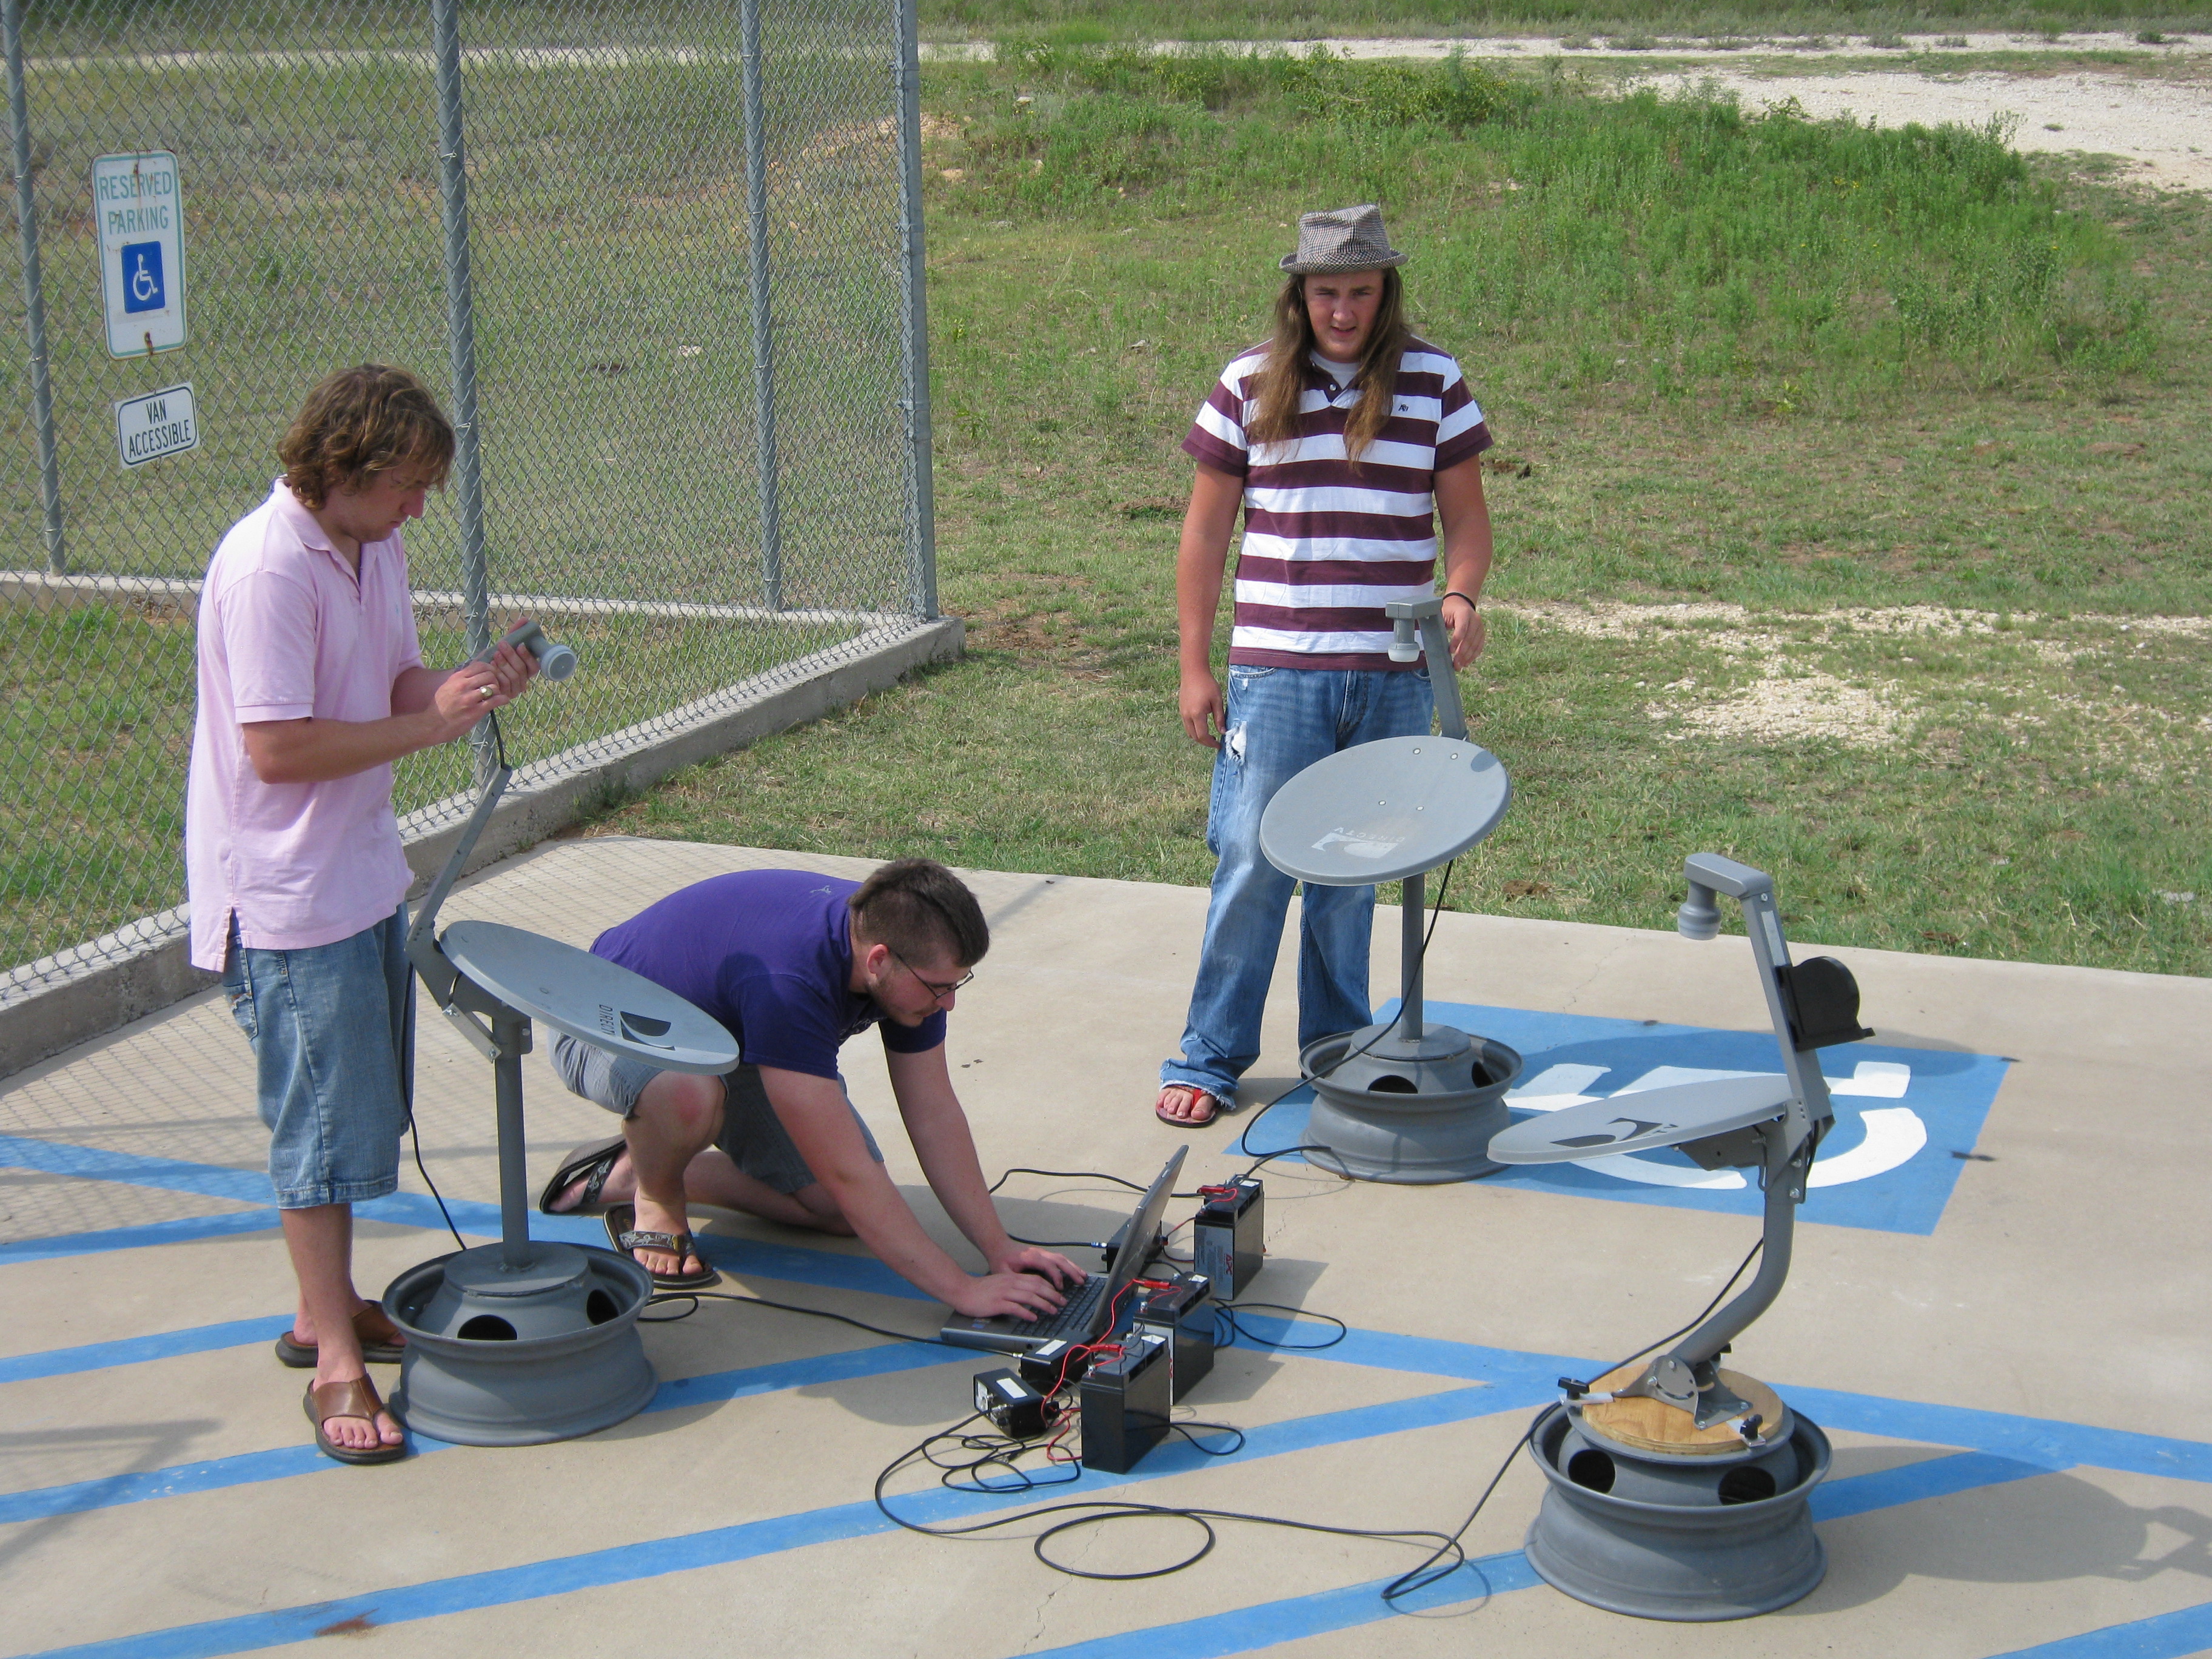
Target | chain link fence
(662,261)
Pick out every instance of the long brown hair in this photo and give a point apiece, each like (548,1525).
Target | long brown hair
(1282,378)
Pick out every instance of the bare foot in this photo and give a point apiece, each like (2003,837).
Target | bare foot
(660,1219)
(358,1433)
(619,1187)
(1185,1103)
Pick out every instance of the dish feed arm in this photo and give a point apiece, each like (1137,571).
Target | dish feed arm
(1428,615)
(1782,1149)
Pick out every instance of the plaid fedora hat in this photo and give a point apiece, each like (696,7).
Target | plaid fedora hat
(1342,239)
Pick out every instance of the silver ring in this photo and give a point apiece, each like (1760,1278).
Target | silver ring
(486,692)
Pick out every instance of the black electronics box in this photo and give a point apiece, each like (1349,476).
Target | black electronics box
(1112,1246)
(1013,1405)
(1230,1239)
(1051,1366)
(1125,1405)
(1183,1313)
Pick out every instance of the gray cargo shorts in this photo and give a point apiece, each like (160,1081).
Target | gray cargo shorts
(752,1133)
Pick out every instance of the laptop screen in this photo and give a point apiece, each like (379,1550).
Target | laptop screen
(1137,1243)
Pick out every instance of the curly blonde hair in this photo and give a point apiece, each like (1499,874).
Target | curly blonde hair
(358,423)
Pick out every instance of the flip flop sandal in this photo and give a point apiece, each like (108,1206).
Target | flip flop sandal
(1215,1104)
(356,1397)
(381,1343)
(592,1163)
(629,1241)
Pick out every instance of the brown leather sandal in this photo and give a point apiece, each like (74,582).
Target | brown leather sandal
(382,1342)
(1215,1105)
(355,1397)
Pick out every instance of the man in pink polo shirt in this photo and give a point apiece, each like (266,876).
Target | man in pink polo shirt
(311,684)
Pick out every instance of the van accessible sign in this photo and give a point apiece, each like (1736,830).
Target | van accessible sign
(140,211)
(159,423)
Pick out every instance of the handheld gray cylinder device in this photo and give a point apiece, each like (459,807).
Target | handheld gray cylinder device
(555,661)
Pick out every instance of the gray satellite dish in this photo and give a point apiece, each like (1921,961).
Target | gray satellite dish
(526,1340)
(593,1000)
(1681,1491)
(1410,1102)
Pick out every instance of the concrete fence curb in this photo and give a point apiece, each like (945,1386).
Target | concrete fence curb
(50,1005)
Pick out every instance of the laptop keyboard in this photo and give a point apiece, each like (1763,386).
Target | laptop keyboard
(1071,1319)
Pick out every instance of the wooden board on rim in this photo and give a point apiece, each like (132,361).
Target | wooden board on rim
(1656,1426)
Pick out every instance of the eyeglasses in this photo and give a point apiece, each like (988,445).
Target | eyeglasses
(935,989)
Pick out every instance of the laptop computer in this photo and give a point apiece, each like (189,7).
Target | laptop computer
(1089,1306)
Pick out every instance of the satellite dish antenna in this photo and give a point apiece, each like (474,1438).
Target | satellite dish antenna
(1409,1101)
(1679,1489)
(525,1341)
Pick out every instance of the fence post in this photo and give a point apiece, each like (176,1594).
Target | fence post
(914,327)
(756,233)
(35,288)
(461,343)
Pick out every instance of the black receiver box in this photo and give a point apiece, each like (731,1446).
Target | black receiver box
(1125,1405)
(1230,1239)
(1182,1315)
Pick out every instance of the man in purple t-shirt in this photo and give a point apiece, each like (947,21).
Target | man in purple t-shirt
(794,963)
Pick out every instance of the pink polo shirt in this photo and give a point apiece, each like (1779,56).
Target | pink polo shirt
(287,631)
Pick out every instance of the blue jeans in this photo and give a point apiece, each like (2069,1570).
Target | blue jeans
(1279,722)
(330,1033)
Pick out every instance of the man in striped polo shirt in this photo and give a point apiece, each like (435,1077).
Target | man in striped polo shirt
(1344,439)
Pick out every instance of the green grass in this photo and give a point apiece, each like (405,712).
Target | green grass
(614,344)
(92,778)
(1794,366)
(1095,23)
(2029,786)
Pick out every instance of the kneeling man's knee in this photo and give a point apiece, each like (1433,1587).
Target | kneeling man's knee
(688,1104)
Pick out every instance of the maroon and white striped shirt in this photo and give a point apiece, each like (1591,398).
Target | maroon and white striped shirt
(1326,545)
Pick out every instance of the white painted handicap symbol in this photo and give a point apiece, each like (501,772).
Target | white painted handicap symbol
(142,289)
(1893,1134)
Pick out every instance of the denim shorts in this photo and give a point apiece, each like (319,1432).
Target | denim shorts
(331,1035)
(752,1133)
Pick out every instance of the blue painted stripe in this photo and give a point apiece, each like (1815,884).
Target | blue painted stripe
(1243,1629)
(284,1462)
(190,1230)
(658,1557)
(2048,1443)
(2039,1440)
(137,1350)
(1932,1477)
(1206,1638)
(135,1169)
(2163,1636)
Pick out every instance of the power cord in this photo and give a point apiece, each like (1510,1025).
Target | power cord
(1421,1576)
(1420,960)
(1224,1320)
(695,1297)
(1079,1512)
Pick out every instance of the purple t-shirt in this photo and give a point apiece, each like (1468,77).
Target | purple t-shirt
(768,953)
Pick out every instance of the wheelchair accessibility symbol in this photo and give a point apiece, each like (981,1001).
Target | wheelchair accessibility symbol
(142,287)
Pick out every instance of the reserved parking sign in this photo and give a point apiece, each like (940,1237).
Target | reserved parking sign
(140,211)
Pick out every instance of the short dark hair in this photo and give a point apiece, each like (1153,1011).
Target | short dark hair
(920,909)
(358,423)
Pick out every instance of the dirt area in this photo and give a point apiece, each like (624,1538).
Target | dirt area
(2162,129)
(1790,700)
